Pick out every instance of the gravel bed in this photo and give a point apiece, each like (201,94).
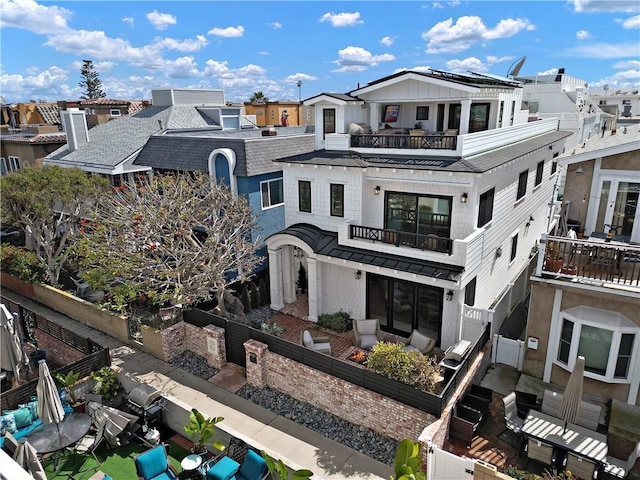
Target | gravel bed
(194,364)
(258,316)
(353,436)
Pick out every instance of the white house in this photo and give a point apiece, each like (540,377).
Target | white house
(428,222)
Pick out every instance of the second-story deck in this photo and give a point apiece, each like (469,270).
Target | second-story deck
(594,260)
(406,239)
(431,141)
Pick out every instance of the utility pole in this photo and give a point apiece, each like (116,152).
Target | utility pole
(299,85)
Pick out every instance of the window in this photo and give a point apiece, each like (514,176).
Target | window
(3,166)
(513,112)
(422,113)
(626,102)
(479,117)
(554,167)
(304,196)
(272,193)
(328,121)
(485,212)
(455,110)
(114,113)
(514,247)
(470,293)
(422,214)
(606,340)
(602,102)
(539,170)
(501,114)
(522,185)
(14,164)
(337,200)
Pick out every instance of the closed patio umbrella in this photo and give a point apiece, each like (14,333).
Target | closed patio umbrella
(570,405)
(50,408)
(12,353)
(27,458)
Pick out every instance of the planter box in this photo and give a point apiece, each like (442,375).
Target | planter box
(15,284)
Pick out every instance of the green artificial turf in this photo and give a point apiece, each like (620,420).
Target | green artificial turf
(117,463)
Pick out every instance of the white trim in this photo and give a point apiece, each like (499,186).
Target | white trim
(230,155)
(554,337)
(269,207)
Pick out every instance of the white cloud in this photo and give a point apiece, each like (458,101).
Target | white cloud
(129,20)
(188,45)
(29,15)
(275,25)
(551,71)
(628,64)
(492,59)
(183,67)
(606,50)
(632,23)
(342,19)
(49,85)
(264,52)
(357,59)
(448,37)
(470,63)
(582,35)
(161,20)
(590,6)
(386,41)
(627,79)
(229,32)
(299,76)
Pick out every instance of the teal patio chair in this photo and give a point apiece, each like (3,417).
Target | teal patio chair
(154,465)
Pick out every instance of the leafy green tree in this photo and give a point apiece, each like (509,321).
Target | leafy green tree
(90,81)
(258,98)
(279,470)
(48,203)
(177,238)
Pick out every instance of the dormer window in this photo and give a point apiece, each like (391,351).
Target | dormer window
(115,113)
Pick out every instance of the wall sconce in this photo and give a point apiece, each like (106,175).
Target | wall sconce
(550,147)
(498,252)
(297,252)
(376,190)
(464,197)
(449,295)
(358,275)
(579,170)
(528,224)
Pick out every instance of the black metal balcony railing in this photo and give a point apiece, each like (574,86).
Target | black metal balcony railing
(415,142)
(613,262)
(402,239)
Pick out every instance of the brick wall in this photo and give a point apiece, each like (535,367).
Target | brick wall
(346,400)
(207,342)
(57,351)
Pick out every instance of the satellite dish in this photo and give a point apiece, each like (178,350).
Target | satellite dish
(517,65)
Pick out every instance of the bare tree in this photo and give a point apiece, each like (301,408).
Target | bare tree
(48,203)
(178,239)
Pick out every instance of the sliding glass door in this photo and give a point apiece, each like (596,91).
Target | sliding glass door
(402,306)
(618,208)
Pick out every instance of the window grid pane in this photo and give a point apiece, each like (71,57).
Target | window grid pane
(565,341)
(337,200)
(594,346)
(522,184)
(304,196)
(485,210)
(539,170)
(624,355)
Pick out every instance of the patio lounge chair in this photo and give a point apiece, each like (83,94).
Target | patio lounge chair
(366,333)
(420,342)
(618,468)
(319,344)
(237,462)
(154,464)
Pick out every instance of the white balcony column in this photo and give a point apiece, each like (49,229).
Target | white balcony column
(374,115)
(275,278)
(465,115)
(288,276)
(313,273)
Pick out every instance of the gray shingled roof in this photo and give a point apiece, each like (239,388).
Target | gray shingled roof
(326,243)
(114,142)
(476,164)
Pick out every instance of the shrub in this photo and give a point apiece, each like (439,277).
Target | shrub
(22,263)
(413,368)
(339,321)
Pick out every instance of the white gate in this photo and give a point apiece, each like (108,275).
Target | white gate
(443,465)
(508,352)
(473,323)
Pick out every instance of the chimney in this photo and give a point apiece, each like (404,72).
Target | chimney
(74,123)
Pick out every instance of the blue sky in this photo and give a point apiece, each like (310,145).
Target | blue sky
(331,46)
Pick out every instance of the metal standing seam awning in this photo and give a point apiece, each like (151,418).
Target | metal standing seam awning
(325,243)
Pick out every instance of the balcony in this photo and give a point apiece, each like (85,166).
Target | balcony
(594,260)
(413,142)
(405,239)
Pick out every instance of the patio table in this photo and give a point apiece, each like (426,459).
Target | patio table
(582,441)
(51,437)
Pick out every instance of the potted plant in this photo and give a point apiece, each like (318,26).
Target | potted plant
(200,430)
(68,383)
(107,383)
(554,259)
(302,279)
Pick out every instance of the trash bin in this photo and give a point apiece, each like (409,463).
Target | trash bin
(36,356)
(575,224)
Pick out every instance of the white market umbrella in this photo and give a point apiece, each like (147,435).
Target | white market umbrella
(50,408)
(570,405)
(111,420)
(12,354)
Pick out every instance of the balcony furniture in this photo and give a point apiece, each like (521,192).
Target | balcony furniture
(617,468)
(237,462)
(540,452)
(418,341)
(464,424)
(88,445)
(366,333)
(567,436)
(512,421)
(155,464)
(455,354)
(82,288)
(551,402)
(580,467)
(526,402)
(10,443)
(317,343)
(190,465)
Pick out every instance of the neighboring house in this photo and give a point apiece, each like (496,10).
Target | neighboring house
(17,116)
(242,159)
(625,104)
(103,110)
(430,221)
(29,146)
(277,113)
(566,98)
(110,149)
(589,303)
